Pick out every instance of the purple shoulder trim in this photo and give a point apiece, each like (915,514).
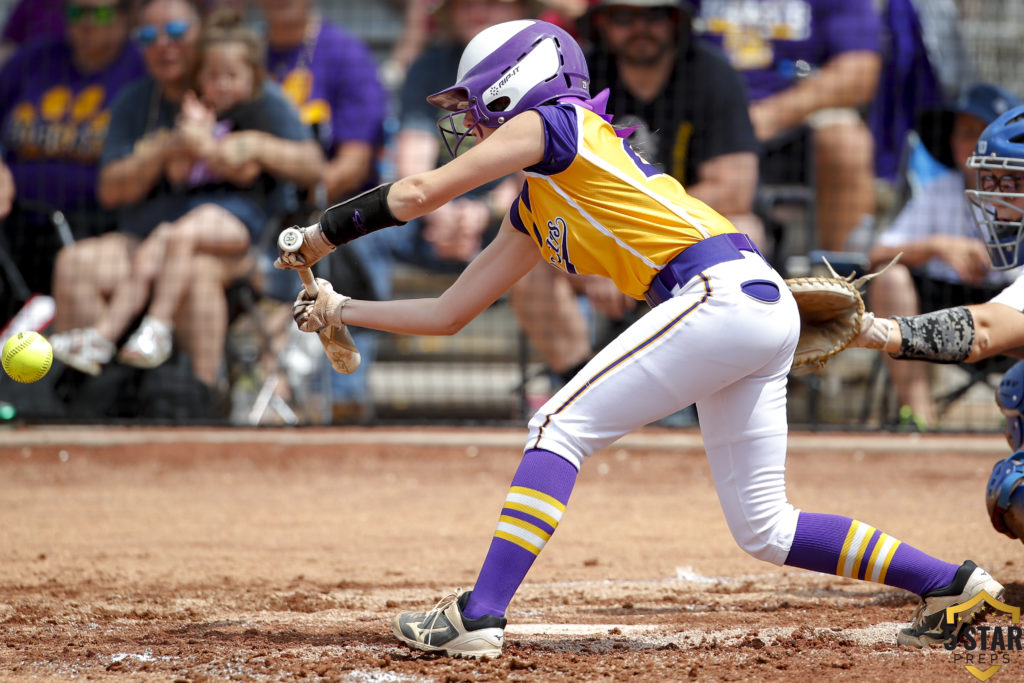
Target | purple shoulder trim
(599,105)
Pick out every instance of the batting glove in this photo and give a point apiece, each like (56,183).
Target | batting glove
(315,246)
(312,314)
(874,332)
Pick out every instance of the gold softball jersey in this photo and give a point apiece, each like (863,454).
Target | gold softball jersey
(596,207)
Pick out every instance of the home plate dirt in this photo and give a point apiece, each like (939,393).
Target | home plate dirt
(268,555)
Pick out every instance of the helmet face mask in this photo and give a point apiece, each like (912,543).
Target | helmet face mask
(1001,224)
(998,215)
(507,69)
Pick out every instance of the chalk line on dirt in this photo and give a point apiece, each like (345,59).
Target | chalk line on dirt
(646,439)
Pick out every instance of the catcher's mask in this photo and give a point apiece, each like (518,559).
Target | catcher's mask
(1000,200)
(1004,496)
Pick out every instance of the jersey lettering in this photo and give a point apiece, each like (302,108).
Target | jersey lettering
(558,244)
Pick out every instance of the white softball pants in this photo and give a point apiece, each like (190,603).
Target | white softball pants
(717,346)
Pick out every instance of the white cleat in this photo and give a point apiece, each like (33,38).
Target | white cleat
(444,629)
(929,626)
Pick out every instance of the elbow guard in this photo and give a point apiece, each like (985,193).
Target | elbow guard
(358,216)
(944,336)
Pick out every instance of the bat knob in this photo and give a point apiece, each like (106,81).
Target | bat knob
(290,239)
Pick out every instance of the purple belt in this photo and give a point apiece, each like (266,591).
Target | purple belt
(695,258)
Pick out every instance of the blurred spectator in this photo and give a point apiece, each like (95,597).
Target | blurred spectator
(331,76)
(55,98)
(427,21)
(452,235)
(32,19)
(417,27)
(924,65)
(812,63)
(182,235)
(689,108)
(567,14)
(944,262)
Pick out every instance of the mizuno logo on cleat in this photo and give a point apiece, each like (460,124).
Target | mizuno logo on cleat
(422,634)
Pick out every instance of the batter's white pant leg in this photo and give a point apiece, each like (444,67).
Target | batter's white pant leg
(710,336)
(744,429)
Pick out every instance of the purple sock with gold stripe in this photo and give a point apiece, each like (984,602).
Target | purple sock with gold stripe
(832,544)
(531,513)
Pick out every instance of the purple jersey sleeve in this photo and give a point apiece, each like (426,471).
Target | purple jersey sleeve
(560,134)
(515,214)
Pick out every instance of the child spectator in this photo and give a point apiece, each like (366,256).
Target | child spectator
(194,234)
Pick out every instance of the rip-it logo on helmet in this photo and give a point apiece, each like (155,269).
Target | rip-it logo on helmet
(507,69)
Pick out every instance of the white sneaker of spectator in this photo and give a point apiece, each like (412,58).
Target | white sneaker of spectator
(149,346)
(83,349)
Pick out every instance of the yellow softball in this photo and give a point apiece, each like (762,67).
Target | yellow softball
(27,357)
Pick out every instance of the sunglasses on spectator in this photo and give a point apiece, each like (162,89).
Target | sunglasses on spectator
(627,16)
(174,30)
(1008,184)
(102,15)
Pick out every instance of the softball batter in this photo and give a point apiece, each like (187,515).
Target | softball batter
(721,331)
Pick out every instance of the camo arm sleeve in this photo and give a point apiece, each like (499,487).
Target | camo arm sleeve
(944,336)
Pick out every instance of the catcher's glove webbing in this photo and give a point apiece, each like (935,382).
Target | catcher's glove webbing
(830,314)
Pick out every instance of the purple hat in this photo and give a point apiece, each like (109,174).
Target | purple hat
(509,68)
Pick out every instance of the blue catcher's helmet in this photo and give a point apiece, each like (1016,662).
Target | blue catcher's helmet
(999,206)
(1010,398)
(1004,496)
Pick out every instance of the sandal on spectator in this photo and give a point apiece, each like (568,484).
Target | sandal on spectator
(149,346)
(83,349)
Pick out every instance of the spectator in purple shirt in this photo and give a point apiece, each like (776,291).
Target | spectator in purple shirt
(162,217)
(332,77)
(812,63)
(55,102)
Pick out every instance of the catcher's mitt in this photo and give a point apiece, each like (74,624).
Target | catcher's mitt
(830,315)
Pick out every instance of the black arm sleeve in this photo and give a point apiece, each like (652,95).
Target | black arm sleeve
(358,216)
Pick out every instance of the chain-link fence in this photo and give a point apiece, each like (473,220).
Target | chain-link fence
(223,345)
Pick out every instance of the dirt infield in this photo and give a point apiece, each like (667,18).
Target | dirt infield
(192,555)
